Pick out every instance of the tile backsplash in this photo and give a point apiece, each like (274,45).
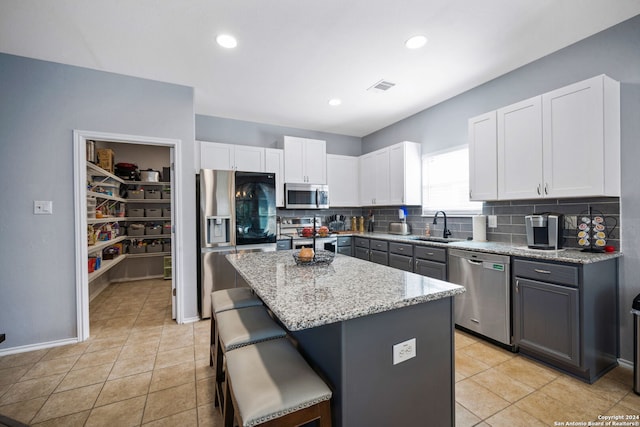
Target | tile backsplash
(510,216)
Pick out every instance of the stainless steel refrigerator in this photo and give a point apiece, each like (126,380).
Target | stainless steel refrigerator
(236,213)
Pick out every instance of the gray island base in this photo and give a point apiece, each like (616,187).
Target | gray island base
(348,316)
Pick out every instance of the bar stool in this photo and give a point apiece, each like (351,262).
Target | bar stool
(239,328)
(228,299)
(270,384)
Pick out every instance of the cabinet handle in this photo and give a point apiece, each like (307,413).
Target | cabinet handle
(401,249)
(538,189)
(475,320)
(537,270)
(546,189)
(469,194)
(430,253)
(517,286)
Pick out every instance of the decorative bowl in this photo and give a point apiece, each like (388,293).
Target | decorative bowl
(320,258)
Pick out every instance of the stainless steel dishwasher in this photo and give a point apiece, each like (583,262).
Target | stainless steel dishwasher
(485,307)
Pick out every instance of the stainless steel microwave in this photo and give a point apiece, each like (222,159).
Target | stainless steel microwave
(306,196)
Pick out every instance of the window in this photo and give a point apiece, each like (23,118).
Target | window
(445,182)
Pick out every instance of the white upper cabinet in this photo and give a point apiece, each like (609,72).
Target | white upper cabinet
(483,166)
(405,174)
(274,162)
(520,150)
(218,156)
(581,139)
(305,160)
(391,175)
(343,178)
(564,143)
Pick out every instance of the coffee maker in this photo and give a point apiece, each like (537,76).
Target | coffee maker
(545,230)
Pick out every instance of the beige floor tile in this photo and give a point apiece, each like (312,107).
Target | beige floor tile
(141,348)
(507,388)
(4,388)
(183,419)
(205,391)
(145,335)
(136,365)
(51,367)
(122,414)
(97,358)
(171,401)
(22,359)
(202,352)
(203,370)
(105,344)
(209,416)
(464,417)
(622,374)
(487,353)
(467,365)
(83,377)
(29,389)
(528,372)
(631,401)
(13,374)
(606,388)
(66,351)
(172,376)
(173,357)
(68,402)
(126,321)
(480,401)
(574,395)
(73,420)
(172,342)
(148,322)
(23,411)
(550,410)
(124,388)
(623,410)
(462,340)
(514,417)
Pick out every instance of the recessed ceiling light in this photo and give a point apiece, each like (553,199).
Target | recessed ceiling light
(227,41)
(416,42)
(335,102)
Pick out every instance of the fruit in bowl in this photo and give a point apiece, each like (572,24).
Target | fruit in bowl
(306,254)
(323,231)
(307,232)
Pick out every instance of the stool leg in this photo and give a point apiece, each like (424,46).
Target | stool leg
(228,413)
(220,376)
(325,413)
(212,339)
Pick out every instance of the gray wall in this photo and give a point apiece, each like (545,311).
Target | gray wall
(229,131)
(615,52)
(40,105)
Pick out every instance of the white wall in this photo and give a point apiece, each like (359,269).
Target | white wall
(41,103)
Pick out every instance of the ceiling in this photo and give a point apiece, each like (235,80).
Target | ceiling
(294,55)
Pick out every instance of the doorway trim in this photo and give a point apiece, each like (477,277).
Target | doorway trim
(80,138)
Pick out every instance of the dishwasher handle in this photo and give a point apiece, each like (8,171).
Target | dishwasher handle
(474,262)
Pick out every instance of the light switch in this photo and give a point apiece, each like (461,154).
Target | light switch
(42,207)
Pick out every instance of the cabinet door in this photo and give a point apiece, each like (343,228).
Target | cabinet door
(274,162)
(483,157)
(316,161)
(546,320)
(520,150)
(379,257)
(381,175)
(294,159)
(249,159)
(216,156)
(367,179)
(362,253)
(401,262)
(436,270)
(405,174)
(343,175)
(573,140)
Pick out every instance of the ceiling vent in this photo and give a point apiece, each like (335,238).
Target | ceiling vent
(381,86)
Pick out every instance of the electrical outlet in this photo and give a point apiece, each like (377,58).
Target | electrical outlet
(571,222)
(493,221)
(404,351)
(42,207)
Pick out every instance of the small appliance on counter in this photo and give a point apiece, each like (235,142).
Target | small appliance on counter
(545,230)
(399,228)
(594,229)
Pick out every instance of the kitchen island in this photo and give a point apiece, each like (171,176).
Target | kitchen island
(346,318)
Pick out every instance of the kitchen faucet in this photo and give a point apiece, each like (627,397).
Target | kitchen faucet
(445,232)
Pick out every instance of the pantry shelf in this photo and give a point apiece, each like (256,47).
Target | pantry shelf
(104,244)
(106,266)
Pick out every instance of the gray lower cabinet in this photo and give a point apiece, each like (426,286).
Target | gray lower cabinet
(566,315)
(379,251)
(401,256)
(431,262)
(361,248)
(345,245)
(283,245)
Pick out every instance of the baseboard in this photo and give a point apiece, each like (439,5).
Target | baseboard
(39,346)
(191,319)
(625,363)
(157,276)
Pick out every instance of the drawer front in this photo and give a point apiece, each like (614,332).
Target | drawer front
(401,248)
(344,240)
(401,262)
(361,242)
(431,253)
(379,245)
(545,272)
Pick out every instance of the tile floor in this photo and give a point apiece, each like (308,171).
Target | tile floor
(141,368)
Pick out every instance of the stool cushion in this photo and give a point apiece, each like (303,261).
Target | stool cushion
(271,379)
(244,326)
(229,299)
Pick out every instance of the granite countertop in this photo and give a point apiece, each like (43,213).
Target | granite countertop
(308,296)
(570,255)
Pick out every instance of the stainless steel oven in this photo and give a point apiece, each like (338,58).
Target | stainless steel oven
(306,196)
(322,243)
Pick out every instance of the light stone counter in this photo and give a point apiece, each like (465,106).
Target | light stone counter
(309,296)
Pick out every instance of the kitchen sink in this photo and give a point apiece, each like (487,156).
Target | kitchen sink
(436,239)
